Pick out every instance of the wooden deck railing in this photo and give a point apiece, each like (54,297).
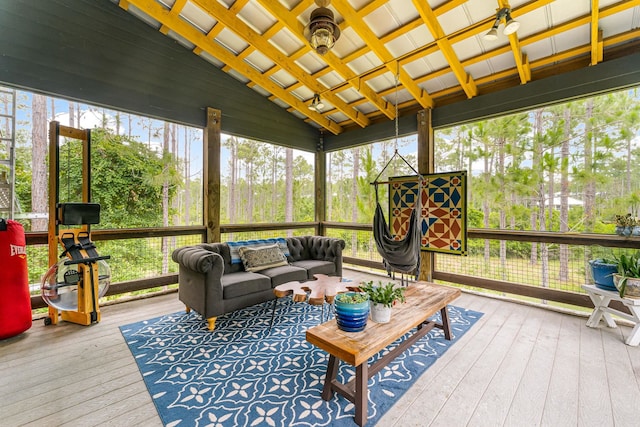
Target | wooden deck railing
(41,238)
(329,228)
(507,287)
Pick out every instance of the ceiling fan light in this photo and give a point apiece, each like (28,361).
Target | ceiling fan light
(322,32)
(322,40)
(492,34)
(511,25)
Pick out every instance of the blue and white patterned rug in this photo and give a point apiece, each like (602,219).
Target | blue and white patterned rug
(242,374)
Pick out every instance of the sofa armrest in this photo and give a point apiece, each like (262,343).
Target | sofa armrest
(199,279)
(199,260)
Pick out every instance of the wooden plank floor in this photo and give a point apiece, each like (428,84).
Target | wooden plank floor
(518,366)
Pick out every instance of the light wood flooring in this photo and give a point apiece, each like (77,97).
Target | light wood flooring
(518,366)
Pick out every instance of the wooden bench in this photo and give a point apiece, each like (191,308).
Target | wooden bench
(355,348)
(601,299)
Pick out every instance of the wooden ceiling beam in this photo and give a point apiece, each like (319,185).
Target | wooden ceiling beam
(257,41)
(431,21)
(521,60)
(377,47)
(551,61)
(415,23)
(473,30)
(176,8)
(218,27)
(506,74)
(162,15)
(596,34)
(567,26)
(336,64)
(370,7)
(480,27)
(395,66)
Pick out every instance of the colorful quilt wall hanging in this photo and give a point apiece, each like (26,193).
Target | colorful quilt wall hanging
(443,215)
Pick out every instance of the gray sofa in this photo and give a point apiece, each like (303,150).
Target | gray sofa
(211,284)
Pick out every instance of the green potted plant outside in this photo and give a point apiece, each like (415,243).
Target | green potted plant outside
(627,280)
(382,298)
(602,271)
(627,225)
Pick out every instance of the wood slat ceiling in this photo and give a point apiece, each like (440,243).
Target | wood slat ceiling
(393,55)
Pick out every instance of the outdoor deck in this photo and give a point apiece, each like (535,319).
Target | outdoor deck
(518,366)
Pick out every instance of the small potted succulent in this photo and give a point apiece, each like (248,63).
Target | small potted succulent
(382,298)
(626,225)
(352,311)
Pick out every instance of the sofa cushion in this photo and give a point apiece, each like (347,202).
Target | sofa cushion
(243,283)
(256,259)
(316,267)
(287,273)
(235,246)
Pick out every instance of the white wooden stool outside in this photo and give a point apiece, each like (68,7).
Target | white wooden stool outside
(601,299)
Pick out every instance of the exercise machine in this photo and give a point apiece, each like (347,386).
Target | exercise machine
(73,284)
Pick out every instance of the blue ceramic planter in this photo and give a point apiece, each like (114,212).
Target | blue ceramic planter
(351,317)
(603,274)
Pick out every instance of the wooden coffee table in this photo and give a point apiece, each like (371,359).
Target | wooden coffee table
(355,348)
(315,292)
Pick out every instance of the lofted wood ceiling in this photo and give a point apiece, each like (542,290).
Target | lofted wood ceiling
(392,55)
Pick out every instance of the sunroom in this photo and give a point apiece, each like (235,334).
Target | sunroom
(241,82)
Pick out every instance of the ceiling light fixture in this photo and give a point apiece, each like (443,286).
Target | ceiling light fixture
(510,27)
(316,103)
(322,31)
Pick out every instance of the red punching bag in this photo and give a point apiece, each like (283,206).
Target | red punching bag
(15,301)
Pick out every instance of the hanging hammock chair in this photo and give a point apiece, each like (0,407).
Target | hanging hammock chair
(398,255)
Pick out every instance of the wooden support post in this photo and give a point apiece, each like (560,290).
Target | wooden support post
(425,166)
(212,156)
(54,153)
(52,238)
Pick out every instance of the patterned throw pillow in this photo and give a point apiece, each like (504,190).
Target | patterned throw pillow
(234,246)
(261,258)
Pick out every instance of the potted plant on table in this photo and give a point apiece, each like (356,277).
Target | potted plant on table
(352,311)
(382,298)
(627,280)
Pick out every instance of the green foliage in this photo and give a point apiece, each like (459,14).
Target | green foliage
(255,188)
(385,294)
(127,179)
(606,260)
(515,163)
(352,298)
(474,218)
(628,267)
